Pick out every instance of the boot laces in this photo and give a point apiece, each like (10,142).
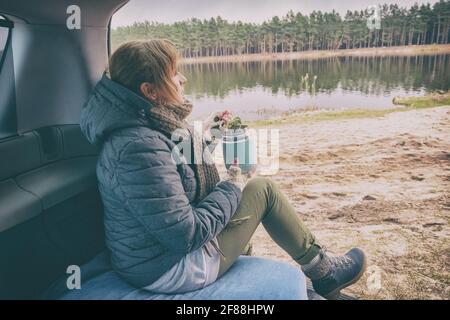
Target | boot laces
(341,261)
(338,261)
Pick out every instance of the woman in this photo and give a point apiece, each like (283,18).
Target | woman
(173,226)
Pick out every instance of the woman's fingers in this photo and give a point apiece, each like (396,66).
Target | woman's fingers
(212,121)
(235,176)
(218,120)
(234,171)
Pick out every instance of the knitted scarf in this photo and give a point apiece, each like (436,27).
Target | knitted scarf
(169,117)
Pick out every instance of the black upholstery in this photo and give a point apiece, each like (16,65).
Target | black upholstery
(50,208)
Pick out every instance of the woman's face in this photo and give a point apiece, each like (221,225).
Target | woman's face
(177,79)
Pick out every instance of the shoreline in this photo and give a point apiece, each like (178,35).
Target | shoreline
(413,50)
(331,115)
(433,100)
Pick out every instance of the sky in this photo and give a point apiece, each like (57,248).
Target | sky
(169,11)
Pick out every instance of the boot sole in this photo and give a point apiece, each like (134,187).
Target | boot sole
(333,295)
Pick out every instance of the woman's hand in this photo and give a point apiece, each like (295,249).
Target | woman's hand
(215,124)
(217,120)
(235,176)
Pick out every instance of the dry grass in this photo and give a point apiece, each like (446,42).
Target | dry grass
(409,103)
(430,100)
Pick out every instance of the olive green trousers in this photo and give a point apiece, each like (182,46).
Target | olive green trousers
(263,202)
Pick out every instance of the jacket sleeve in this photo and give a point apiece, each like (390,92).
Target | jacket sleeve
(153,192)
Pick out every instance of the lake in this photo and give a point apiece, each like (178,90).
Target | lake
(264,89)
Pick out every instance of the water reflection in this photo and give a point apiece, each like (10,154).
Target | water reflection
(266,88)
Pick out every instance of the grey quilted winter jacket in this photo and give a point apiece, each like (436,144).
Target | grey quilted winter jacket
(151,221)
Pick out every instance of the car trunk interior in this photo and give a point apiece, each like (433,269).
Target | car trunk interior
(51,211)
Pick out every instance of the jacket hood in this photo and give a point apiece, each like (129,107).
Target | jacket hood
(110,107)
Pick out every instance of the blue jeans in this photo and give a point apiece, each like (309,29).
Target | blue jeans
(249,278)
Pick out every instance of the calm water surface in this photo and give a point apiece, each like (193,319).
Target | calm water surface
(258,90)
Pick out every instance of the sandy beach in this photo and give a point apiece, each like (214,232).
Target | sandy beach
(380,183)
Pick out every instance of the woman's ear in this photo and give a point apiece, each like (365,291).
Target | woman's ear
(148,91)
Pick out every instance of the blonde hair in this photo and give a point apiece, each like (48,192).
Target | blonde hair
(153,61)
